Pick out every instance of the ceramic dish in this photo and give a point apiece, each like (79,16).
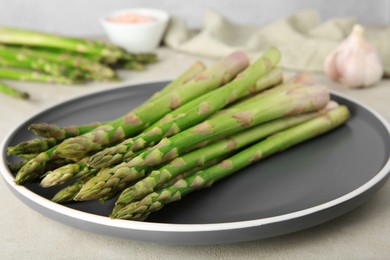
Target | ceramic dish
(299,188)
(141,36)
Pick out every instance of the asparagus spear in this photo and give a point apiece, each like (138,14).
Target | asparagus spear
(13,57)
(32,146)
(25,75)
(195,69)
(60,133)
(65,173)
(38,166)
(70,61)
(13,92)
(298,80)
(53,134)
(98,187)
(144,58)
(134,65)
(276,143)
(68,193)
(158,177)
(147,113)
(198,109)
(32,38)
(272,107)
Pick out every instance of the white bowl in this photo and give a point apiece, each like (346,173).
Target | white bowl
(137,37)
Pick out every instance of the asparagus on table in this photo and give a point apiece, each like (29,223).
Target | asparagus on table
(181,164)
(70,61)
(272,107)
(26,75)
(140,57)
(31,38)
(198,109)
(148,113)
(13,57)
(140,210)
(13,92)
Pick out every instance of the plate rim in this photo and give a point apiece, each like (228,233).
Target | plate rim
(171,227)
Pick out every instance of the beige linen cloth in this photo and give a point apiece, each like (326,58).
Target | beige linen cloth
(303,38)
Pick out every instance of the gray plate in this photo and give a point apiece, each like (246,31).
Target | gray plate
(304,186)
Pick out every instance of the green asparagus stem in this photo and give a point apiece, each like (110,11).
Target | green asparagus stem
(20,58)
(13,92)
(98,187)
(35,145)
(276,143)
(298,80)
(68,193)
(134,65)
(272,107)
(233,143)
(53,135)
(70,62)
(195,69)
(31,38)
(146,114)
(67,172)
(198,109)
(28,156)
(37,166)
(60,133)
(24,75)
(33,64)
(144,58)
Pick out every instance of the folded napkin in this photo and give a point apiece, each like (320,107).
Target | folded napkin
(302,38)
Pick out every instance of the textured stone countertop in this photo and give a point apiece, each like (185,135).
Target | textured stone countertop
(363,233)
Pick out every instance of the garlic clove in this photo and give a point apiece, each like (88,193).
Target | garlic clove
(330,66)
(355,62)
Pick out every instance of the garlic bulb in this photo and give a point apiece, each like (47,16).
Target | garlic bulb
(355,62)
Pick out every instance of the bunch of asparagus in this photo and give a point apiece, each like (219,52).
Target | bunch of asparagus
(40,57)
(205,125)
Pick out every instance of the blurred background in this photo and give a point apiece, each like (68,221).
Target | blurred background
(79,17)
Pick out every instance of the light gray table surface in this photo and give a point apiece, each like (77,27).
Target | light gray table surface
(363,233)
